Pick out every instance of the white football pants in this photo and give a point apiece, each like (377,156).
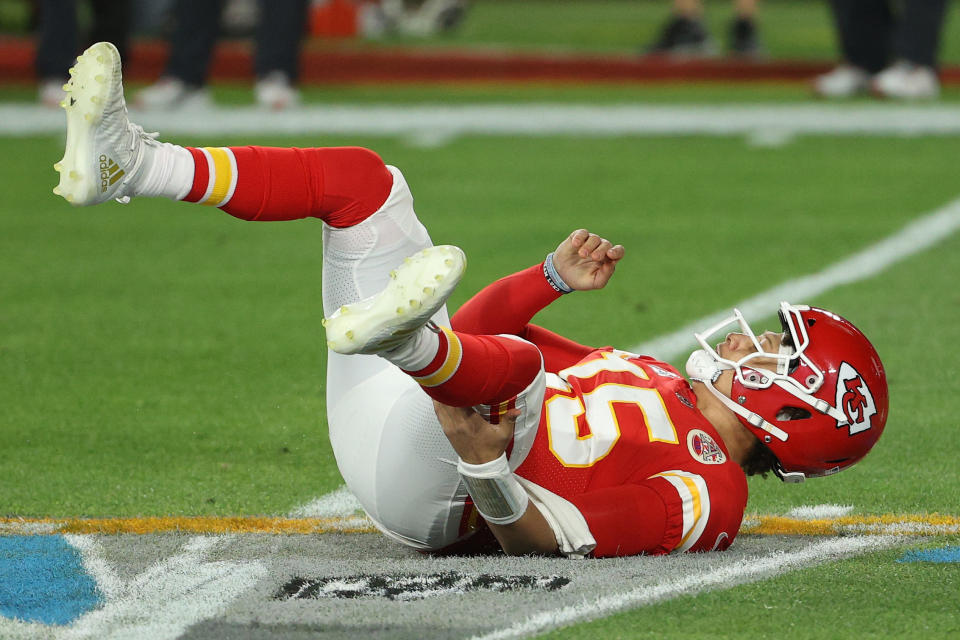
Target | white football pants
(389,446)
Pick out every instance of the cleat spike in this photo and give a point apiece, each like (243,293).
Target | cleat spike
(349,335)
(72,71)
(66,86)
(406,261)
(100,59)
(393,274)
(415,304)
(399,311)
(448,262)
(74,175)
(69,198)
(323,322)
(95,99)
(57,166)
(56,190)
(428,290)
(438,277)
(88,117)
(344,310)
(63,104)
(99,78)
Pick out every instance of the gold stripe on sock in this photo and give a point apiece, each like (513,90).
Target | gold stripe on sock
(222,175)
(450,364)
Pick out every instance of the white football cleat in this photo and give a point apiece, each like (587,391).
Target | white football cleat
(418,288)
(104,149)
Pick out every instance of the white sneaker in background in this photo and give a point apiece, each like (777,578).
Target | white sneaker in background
(845,81)
(907,81)
(275,92)
(50,92)
(104,150)
(167,94)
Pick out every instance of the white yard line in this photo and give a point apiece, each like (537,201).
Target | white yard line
(918,236)
(754,569)
(439,122)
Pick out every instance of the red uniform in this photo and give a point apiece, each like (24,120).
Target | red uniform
(619,437)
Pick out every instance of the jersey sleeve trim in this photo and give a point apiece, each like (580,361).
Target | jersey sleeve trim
(568,524)
(695,503)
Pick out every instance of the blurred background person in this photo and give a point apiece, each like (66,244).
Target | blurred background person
(685,33)
(278,36)
(888,47)
(59,40)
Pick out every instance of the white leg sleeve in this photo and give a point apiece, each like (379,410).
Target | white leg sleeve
(388,444)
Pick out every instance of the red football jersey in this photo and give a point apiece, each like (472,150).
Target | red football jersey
(620,437)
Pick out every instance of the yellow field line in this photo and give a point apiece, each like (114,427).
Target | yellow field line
(927,524)
(187,524)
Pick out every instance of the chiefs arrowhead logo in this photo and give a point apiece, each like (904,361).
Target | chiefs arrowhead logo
(854,399)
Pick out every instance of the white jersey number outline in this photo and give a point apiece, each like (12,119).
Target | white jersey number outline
(599,407)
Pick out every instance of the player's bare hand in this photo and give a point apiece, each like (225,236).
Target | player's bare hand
(586,261)
(474,439)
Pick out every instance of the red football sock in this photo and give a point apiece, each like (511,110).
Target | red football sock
(340,185)
(471,370)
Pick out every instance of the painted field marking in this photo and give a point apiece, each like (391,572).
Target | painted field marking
(943,555)
(886,524)
(717,578)
(539,119)
(166,599)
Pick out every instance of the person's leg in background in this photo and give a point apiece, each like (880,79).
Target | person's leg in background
(184,79)
(684,33)
(56,48)
(277,60)
(864,30)
(916,45)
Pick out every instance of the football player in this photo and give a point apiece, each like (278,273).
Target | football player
(442,426)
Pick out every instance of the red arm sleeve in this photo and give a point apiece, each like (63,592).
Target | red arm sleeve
(558,352)
(508,305)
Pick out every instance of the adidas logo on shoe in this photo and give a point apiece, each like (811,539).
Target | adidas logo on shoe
(110,172)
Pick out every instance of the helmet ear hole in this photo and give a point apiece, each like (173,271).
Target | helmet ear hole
(787,414)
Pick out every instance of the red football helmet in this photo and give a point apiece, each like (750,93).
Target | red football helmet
(826,404)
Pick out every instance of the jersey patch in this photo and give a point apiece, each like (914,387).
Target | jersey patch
(704,449)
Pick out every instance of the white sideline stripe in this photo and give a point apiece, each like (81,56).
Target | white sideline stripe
(728,576)
(916,237)
(434,122)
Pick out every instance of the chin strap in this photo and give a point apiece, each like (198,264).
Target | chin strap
(703,368)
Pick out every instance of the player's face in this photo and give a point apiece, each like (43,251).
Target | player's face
(739,345)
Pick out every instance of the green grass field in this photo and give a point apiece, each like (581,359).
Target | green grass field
(162,359)
(178,352)
(166,359)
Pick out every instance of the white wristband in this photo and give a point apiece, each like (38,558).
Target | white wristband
(496,493)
